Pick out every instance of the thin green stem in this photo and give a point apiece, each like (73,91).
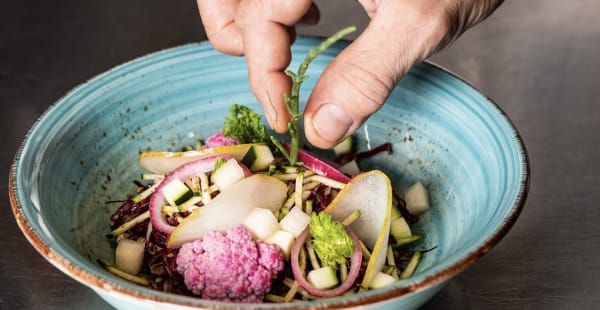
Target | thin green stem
(293,102)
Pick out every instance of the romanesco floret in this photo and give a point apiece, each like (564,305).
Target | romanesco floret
(229,267)
(332,243)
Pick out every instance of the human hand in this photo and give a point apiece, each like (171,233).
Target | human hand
(358,81)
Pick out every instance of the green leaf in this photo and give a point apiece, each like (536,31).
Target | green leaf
(244,124)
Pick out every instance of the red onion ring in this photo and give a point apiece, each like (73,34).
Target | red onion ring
(320,167)
(355,263)
(196,167)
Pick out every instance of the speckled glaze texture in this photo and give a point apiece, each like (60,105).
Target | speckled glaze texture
(83,152)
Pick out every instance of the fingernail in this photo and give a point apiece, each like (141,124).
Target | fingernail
(331,122)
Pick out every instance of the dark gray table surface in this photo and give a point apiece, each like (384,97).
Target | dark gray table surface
(538,59)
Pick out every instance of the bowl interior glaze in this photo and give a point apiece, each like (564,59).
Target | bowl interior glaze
(83,152)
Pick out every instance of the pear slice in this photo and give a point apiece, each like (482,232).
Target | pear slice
(165,162)
(230,208)
(371,193)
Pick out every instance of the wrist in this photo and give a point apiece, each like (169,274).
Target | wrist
(464,14)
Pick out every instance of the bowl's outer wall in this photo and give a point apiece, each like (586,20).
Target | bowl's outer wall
(83,152)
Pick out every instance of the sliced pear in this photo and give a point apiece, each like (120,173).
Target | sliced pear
(230,208)
(165,162)
(371,194)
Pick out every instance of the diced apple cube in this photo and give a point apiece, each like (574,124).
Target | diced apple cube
(417,199)
(295,221)
(262,223)
(284,240)
(323,278)
(129,255)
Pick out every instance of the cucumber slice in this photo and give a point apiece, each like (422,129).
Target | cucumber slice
(176,192)
(323,278)
(258,158)
(381,279)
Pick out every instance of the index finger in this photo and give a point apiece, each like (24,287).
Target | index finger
(265,27)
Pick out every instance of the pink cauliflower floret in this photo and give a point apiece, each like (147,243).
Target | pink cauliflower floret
(220,139)
(229,267)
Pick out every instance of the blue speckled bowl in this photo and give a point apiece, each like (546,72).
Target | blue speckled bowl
(84,149)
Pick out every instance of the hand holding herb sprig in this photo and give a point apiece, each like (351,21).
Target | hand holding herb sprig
(292,102)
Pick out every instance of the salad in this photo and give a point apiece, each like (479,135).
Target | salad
(244,217)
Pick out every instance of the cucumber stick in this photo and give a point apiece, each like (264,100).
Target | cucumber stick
(258,158)
(229,173)
(176,192)
(399,229)
(395,213)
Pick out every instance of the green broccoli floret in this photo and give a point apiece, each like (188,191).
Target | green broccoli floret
(244,124)
(330,240)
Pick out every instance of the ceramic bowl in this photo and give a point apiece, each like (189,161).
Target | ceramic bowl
(83,152)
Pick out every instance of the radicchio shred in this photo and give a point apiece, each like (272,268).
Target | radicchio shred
(159,261)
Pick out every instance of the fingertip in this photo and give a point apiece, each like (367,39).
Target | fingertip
(327,125)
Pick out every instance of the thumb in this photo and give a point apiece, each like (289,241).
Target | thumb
(359,80)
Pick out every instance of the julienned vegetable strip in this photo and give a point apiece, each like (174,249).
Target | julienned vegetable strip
(120,273)
(292,102)
(412,266)
(126,226)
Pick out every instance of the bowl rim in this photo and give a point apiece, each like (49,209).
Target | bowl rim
(97,283)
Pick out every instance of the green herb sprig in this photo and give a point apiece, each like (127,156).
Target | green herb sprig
(244,124)
(292,102)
